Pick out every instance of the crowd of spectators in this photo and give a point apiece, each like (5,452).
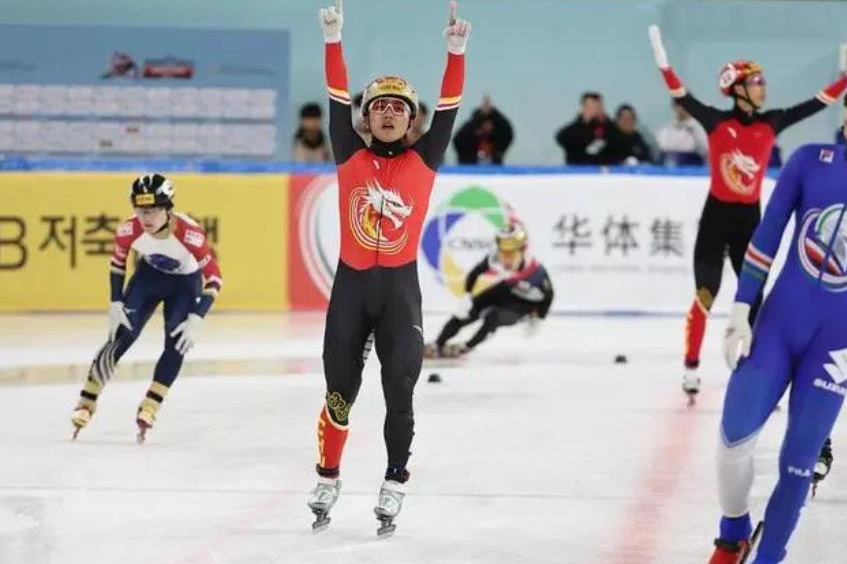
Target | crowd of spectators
(592,138)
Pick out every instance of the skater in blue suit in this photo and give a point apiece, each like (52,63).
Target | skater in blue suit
(800,341)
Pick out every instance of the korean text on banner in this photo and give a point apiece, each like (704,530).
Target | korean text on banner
(57,230)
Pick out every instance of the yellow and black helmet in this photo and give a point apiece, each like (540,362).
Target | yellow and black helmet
(512,237)
(152,190)
(394,87)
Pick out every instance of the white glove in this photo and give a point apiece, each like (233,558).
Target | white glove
(331,20)
(187,330)
(117,317)
(738,334)
(457,32)
(659,52)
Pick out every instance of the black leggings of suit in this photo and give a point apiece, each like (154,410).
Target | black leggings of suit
(725,228)
(387,302)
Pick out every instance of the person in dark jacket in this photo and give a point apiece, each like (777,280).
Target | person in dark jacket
(485,137)
(586,139)
(628,145)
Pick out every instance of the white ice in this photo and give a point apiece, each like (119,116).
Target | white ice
(535,451)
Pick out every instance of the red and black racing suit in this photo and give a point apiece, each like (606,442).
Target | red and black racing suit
(740,146)
(383,196)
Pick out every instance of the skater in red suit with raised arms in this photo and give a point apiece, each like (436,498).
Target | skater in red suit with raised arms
(383,196)
(740,143)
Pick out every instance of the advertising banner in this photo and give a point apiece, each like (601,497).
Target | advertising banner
(57,232)
(613,243)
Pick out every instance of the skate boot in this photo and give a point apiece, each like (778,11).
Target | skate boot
(729,552)
(148,409)
(321,499)
(87,404)
(388,506)
(736,552)
(822,466)
(455,350)
(144,420)
(431,351)
(81,416)
(691,385)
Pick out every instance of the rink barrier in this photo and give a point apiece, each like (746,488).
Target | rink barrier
(234,167)
(616,240)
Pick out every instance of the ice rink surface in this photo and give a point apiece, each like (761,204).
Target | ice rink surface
(532,451)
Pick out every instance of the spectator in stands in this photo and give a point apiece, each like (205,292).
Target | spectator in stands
(626,142)
(683,141)
(310,143)
(485,137)
(419,126)
(586,139)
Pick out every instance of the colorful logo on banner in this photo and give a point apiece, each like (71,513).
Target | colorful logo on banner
(317,231)
(822,246)
(460,231)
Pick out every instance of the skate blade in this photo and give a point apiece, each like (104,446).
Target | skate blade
(76,433)
(321,524)
(386,529)
(692,399)
(141,436)
(754,543)
(387,526)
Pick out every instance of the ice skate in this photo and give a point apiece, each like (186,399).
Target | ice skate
(456,350)
(431,351)
(691,385)
(144,420)
(80,418)
(321,499)
(729,552)
(735,552)
(822,466)
(388,506)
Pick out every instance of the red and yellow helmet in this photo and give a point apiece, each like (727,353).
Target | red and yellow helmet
(737,72)
(393,87)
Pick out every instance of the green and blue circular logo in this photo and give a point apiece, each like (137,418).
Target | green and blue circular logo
(460,231)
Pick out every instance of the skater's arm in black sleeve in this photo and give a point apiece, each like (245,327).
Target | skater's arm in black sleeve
(432,146)
(476,272)
(345,141)
(781,119)
(708,116)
